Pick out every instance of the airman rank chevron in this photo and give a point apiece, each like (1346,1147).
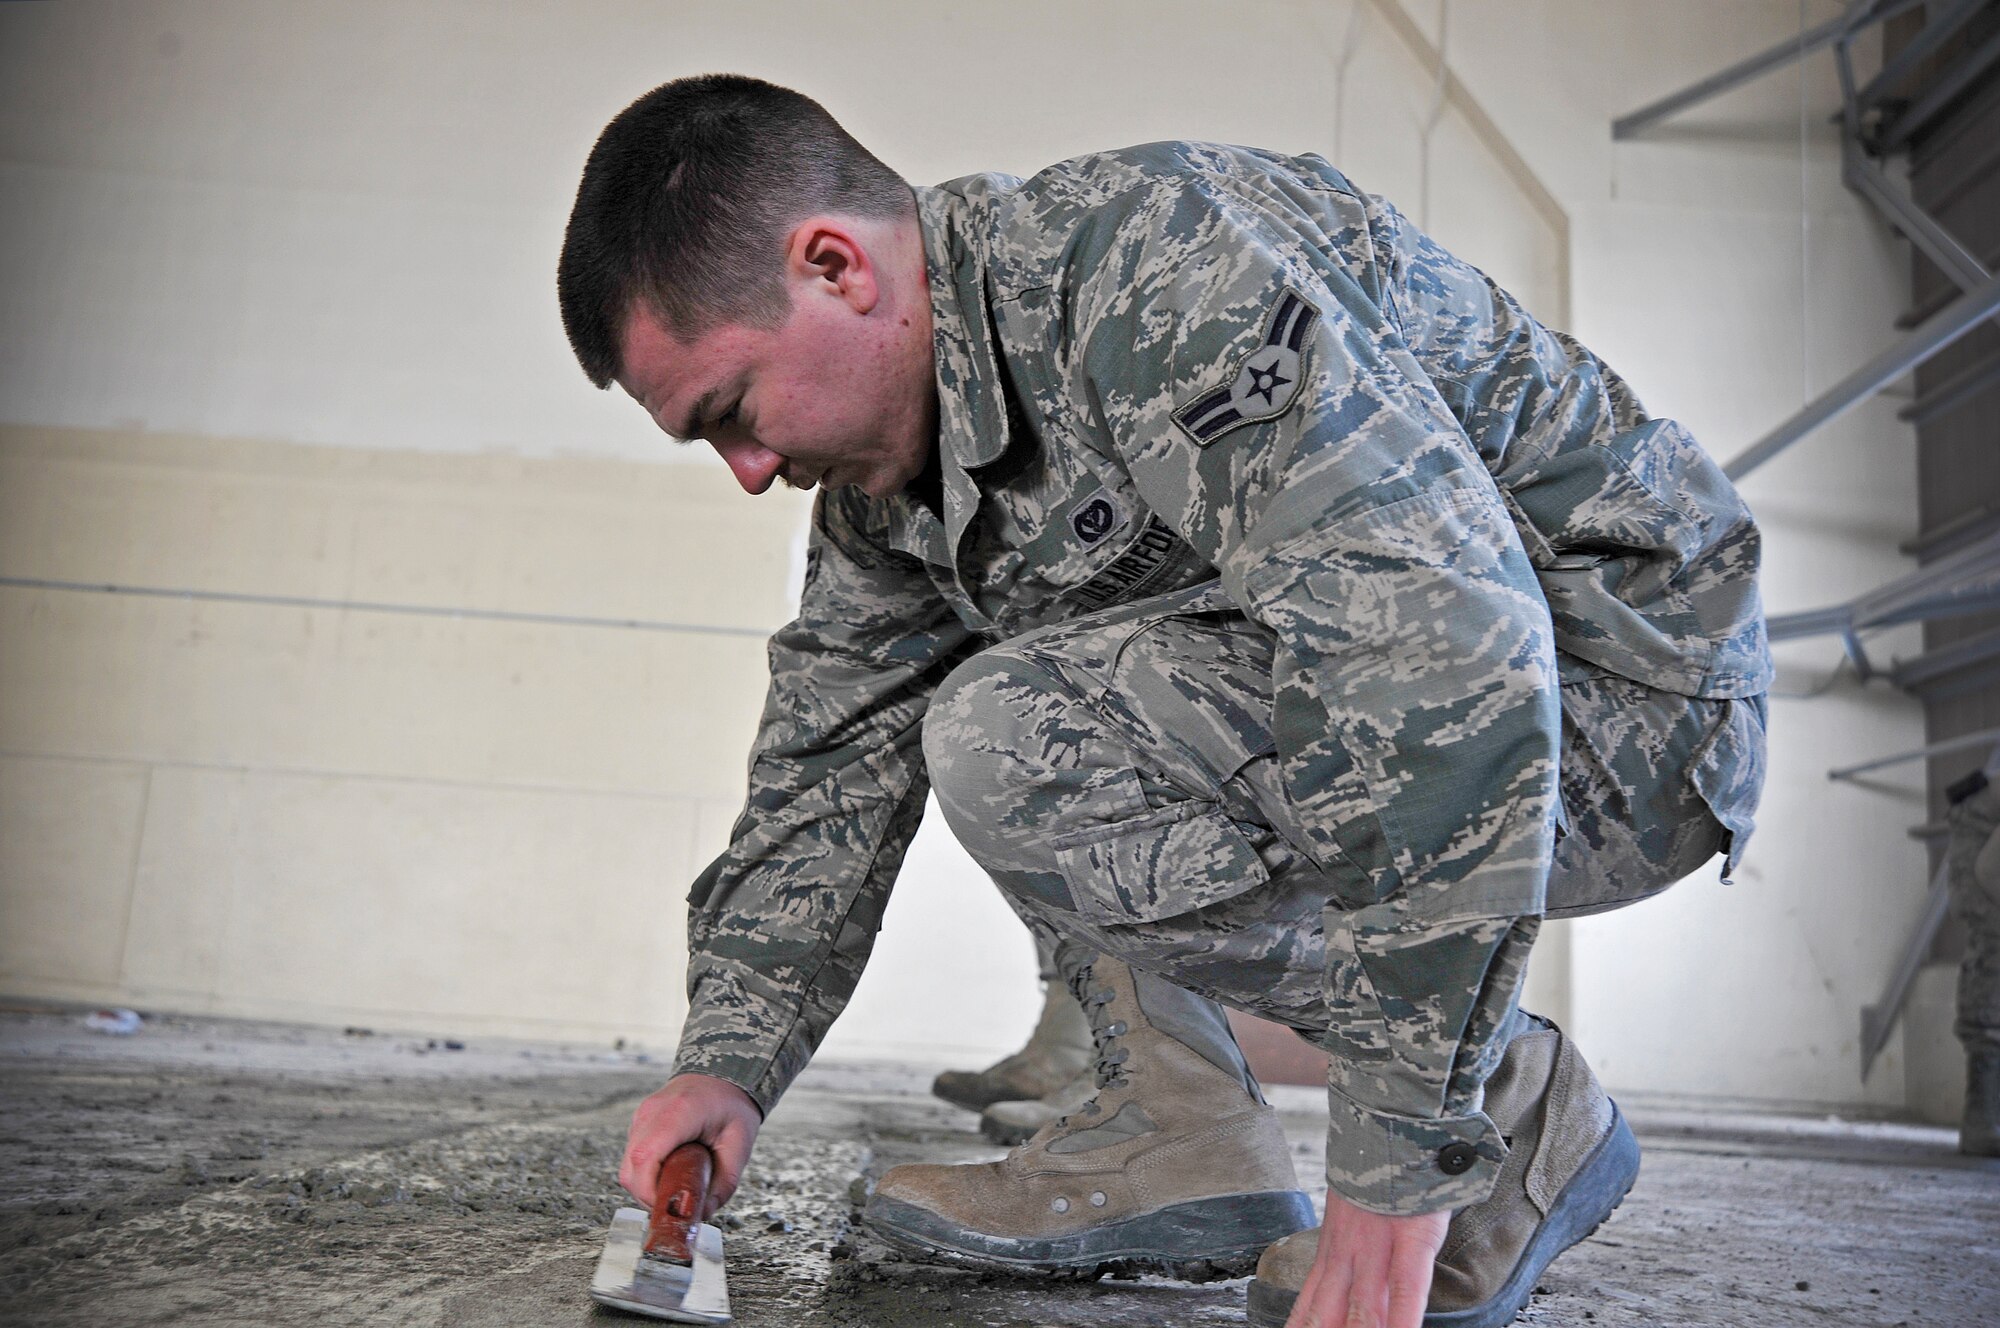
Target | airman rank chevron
(1265,384)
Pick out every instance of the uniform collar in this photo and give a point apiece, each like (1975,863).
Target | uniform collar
(972,415)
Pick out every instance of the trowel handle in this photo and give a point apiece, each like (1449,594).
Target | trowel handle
(678,1200)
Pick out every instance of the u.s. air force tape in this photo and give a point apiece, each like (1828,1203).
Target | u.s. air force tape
(1265,383)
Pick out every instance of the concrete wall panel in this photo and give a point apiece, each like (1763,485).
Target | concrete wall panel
(321,689)
(584,537)
(350,814)
(69,831)
(400,901)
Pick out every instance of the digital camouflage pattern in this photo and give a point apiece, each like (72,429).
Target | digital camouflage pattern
(1448,496)
(1117,775)
(1972,867)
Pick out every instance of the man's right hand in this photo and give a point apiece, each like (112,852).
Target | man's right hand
(691,1107)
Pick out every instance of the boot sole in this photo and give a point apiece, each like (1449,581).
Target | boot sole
(1592,1195)
(1203,1240)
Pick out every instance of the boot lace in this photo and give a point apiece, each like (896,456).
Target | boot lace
(1104,1036)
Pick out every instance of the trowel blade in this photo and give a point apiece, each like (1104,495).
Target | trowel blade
(626,1279)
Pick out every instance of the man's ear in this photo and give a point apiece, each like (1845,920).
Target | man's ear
(829,257)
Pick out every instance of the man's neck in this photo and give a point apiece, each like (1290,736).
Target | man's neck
(928,488)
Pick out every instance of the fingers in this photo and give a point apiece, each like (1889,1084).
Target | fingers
(640,1171)
(1368,1288)
(1408,1294)
(661,1125)
(1370,1271)
(1305,1313)
(1336,1293)
(691,1108)
(732,1155)
(1412,1261)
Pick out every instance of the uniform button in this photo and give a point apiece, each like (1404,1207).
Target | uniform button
(1457,1159)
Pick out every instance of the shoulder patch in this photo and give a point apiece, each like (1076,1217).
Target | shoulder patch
(1264,384)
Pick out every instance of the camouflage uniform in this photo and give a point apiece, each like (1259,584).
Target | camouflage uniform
(1316,560)
(1972,858)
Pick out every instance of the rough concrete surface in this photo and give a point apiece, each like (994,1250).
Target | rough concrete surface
(209,1172)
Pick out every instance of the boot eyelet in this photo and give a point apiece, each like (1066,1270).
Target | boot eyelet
(1097,1198)
(1061,1205)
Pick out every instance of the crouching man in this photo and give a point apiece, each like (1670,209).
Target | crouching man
(1283,617)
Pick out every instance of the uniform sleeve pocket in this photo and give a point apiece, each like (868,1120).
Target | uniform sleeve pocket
(1174,861)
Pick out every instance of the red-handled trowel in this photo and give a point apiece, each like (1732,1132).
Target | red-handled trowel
(668,1265)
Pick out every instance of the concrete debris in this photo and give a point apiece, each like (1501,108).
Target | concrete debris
(259,1174)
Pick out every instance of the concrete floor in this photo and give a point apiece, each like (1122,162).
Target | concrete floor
(202,1172)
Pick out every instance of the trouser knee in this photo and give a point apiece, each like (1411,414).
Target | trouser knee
(1653,785)
(992,739)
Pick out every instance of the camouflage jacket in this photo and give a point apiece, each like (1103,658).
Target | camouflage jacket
(1181,363)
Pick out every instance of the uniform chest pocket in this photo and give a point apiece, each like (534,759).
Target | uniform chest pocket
(1163,864)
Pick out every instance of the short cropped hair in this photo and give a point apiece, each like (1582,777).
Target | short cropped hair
(687,200)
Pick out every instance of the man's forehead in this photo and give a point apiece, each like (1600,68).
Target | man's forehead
(647,352)
(663,373)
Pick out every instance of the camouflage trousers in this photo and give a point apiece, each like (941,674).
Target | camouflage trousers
(1117,776)
(1972,866)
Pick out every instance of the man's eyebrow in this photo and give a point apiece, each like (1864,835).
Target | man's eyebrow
(692,428)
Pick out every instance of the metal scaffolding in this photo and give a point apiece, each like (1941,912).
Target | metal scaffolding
(1962,574)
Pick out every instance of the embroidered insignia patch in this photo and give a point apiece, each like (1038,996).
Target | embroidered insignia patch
(1096,517)
(1134,572)
(1265,383)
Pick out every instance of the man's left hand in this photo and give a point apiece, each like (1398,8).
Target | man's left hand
(1371,1272)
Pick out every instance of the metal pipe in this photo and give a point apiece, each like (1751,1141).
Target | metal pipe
(1965,742)
(1944,193)
(1918,226)
(1743,71)
(1933,665)
(1879,1020)
(1956,533)
(1980,679)
(1812,622)
(1932,35)
(1955,604)
(1859,15)
(1962,386)
(1936,590)
(1954,321)
(1974,567)
(1941,94)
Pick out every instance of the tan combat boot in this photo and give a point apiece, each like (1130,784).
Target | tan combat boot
(1013,1123)
(1571,1159)
(1174,1167)
(1057,1052)
(1979,1128)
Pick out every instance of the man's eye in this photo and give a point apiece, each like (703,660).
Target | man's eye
(727,417)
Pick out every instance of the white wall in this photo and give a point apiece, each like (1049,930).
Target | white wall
(1722,267)
(336,225)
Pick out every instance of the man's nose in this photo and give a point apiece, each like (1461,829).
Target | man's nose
(753,464)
